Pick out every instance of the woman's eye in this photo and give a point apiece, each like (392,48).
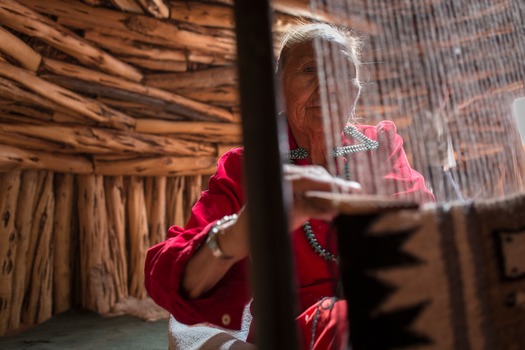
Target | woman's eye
(309,69)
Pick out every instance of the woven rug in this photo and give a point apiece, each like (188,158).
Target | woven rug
(448,277)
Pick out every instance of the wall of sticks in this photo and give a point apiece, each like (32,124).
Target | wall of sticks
(112,116)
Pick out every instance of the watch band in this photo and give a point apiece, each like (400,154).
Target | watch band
(218,228)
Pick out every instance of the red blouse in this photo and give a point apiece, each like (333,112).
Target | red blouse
(382,171)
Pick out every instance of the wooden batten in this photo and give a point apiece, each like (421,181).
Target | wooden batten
(188,107)
(138,235)
(62,241)
(39,281)
(97,265)
(23,223)
(116,205)
(157,166)
(9,188)
(27,21)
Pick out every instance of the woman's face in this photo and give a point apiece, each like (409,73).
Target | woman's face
(301,88)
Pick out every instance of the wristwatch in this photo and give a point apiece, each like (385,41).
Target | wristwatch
(220,228)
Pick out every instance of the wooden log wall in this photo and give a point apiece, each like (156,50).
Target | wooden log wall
(79,239)
(112,116)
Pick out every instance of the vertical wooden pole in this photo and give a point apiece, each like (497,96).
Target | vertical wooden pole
(24,221)
(62,264)
(138,236)
(116,205)
(157,211)
(193,192)
(97,267)
(40,294)
(9,188)
(175,201)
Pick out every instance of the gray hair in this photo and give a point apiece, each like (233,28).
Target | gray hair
(303,33)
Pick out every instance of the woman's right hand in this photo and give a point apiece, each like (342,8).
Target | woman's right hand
(307,178)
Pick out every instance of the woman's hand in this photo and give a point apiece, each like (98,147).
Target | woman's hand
(313,178)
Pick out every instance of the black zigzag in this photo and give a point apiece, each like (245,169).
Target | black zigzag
(389,330)
(362,255)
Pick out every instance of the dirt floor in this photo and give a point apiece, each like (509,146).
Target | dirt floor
(86,330)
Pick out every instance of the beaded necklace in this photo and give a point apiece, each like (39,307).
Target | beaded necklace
(365,144)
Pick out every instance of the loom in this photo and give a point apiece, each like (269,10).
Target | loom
(446,276)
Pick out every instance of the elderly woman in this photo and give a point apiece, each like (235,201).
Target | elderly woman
(199,273)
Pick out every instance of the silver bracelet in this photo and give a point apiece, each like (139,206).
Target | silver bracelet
(217,228)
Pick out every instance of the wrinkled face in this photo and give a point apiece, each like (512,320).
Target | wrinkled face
(301,88)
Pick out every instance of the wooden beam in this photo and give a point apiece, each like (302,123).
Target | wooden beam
(201,79)
(12,157)
(127,5)
(157,126)
(18,50)
(209,15)
(157,8)
(85,107)
(157,166)
(106,141)
(219,133)
(187,106)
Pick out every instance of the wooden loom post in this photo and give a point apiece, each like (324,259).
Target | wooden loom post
(268,224)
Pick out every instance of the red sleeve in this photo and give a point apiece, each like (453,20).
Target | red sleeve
(386,170)
(166,261)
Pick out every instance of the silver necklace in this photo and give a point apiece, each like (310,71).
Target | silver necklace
(365,144)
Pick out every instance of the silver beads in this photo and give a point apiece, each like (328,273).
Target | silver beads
(316,247)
